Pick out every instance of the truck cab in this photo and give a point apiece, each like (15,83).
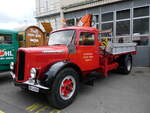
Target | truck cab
(71,55)
(8,48)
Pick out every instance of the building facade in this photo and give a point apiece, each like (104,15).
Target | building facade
(126,18)
(48,11)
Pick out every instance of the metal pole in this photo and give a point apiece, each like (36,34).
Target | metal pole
(62,18)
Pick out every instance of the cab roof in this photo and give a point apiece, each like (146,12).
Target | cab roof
(7,31)
(80,28)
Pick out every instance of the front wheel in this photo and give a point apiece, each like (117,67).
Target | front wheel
(64,88)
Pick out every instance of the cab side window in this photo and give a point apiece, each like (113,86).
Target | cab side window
(5,39)
(87,38)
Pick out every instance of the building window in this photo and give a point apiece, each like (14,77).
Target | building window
(58,24)
(86,38)
(107,17)
(123,28)
(141,31)
(125,14)
(141,26)
(77,20)
(142,11)
(107,26)
(141,40)
(53,23)
(95,21)
(70,22)
(95,18)
(43,5)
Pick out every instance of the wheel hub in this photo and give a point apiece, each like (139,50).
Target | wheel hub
(67,87)
(129,65)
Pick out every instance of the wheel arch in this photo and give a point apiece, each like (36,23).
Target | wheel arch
(54,69)
(123,56)
(128,55)
(75,67)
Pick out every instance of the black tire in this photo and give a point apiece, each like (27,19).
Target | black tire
(55,98)
(125,64)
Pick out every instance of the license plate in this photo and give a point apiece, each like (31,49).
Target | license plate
(33,88)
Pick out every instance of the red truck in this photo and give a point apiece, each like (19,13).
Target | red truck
(71,55)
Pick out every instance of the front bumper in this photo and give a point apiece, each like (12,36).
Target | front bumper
(31,85)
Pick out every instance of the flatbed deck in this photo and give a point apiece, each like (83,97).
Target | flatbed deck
(120,48)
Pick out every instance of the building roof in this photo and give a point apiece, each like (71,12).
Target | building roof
(88,4)
(78,5)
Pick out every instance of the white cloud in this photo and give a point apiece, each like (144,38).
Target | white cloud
(18,10)
(9,25)
(13,25)
(15,8)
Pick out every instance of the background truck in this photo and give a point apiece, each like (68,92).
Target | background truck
(72,54)
(8,48)
(10,41)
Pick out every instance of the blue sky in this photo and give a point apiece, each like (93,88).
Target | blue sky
(16,13)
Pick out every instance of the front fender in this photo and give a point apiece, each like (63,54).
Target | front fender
(53,70)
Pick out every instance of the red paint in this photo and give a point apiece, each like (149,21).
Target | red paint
(2,53)
(37,59)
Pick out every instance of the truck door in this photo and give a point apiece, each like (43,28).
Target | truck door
(87,51)
(8,48)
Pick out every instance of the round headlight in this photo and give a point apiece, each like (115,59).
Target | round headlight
(12,65)
(33,72)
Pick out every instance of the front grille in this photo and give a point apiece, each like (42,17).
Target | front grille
(21,65)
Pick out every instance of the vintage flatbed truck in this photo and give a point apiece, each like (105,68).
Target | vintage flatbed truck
(71,55)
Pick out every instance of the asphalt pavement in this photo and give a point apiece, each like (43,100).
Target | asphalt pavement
(114,94)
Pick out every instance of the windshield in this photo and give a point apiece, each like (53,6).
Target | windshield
(61,37)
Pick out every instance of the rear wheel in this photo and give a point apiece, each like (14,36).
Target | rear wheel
(125,64)
(64,88)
